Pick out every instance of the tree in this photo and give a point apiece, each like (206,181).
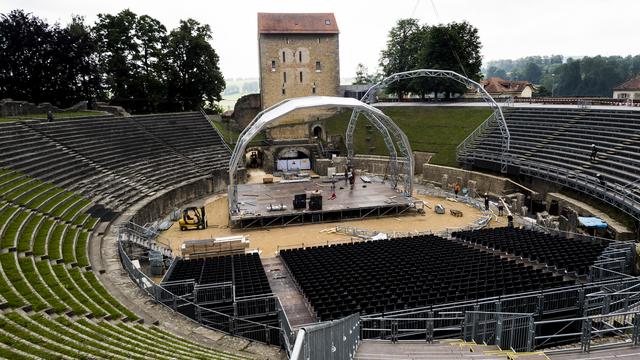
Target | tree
(152,38)
(26,46)
(194,75)
(41,62)
(496,72)
(119,55)
(532,73)
(454,46)
(363,77)
(568,79)
(541,91)
(403,45)
(76,63)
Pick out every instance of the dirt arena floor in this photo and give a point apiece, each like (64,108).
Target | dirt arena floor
(268,241)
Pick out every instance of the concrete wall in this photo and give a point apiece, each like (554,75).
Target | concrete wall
(163,203)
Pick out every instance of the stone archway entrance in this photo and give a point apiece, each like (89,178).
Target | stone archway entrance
(317,131)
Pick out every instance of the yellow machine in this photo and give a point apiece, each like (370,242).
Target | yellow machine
(193,218)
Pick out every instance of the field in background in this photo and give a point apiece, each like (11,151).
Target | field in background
(432,129)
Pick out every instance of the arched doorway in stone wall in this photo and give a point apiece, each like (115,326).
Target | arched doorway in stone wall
(254,158)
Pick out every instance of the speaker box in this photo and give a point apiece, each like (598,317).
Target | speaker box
(300,201)
(315,202)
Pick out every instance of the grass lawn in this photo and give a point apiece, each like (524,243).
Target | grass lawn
(231,136)
(56,116)
(432,129)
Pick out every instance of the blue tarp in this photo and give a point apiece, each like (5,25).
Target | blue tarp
(592,222)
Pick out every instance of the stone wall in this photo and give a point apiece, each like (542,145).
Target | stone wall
(246,108)
(162,204)
(419,158)
(283,57)
(9,107)
(484,182)
(374,164)
(619,231)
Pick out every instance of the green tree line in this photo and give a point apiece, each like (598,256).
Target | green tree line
(124,59)
(411,45)
(586,76)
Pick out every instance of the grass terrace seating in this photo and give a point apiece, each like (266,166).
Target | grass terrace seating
(55,305)
(388,275)
(23,336)
(571,255)
(561,140)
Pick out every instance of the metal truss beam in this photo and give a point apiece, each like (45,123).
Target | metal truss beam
(370,97)
(382,122)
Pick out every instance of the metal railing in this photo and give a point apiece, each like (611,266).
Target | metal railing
(420,328)
(233,325)
(588,332)
(224,141)
(145,237)
(614,194)
(338,339)
(507,330)
(465,145)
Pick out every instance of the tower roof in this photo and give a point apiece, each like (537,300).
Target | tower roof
(297,23)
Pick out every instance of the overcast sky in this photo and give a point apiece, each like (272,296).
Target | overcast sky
(508,29)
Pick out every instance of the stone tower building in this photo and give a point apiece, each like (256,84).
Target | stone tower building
(298,56)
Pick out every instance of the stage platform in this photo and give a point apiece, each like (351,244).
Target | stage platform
(364,201)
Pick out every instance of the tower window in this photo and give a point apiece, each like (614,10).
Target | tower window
(313,88)
(284,57)
(300,56)
(300,76)
(283,91)
(273,65)
(284,76)
(318,66)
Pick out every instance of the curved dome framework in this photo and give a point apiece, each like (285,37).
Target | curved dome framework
(369,97)
(389,130)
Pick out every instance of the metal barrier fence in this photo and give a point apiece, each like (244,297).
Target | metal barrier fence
(338,339)
(213,293)
(588,332)
(507,330)
(212,319)
(426,329)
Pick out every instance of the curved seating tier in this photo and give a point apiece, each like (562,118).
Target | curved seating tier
(115,161)
(558,141)
(56,181)
(388,275)
(568,254)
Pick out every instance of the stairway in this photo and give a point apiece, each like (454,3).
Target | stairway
(442,350)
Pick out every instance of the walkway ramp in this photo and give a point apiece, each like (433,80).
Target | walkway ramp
(443,350)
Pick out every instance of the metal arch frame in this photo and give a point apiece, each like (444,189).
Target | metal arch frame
(369,97)
(382,122)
